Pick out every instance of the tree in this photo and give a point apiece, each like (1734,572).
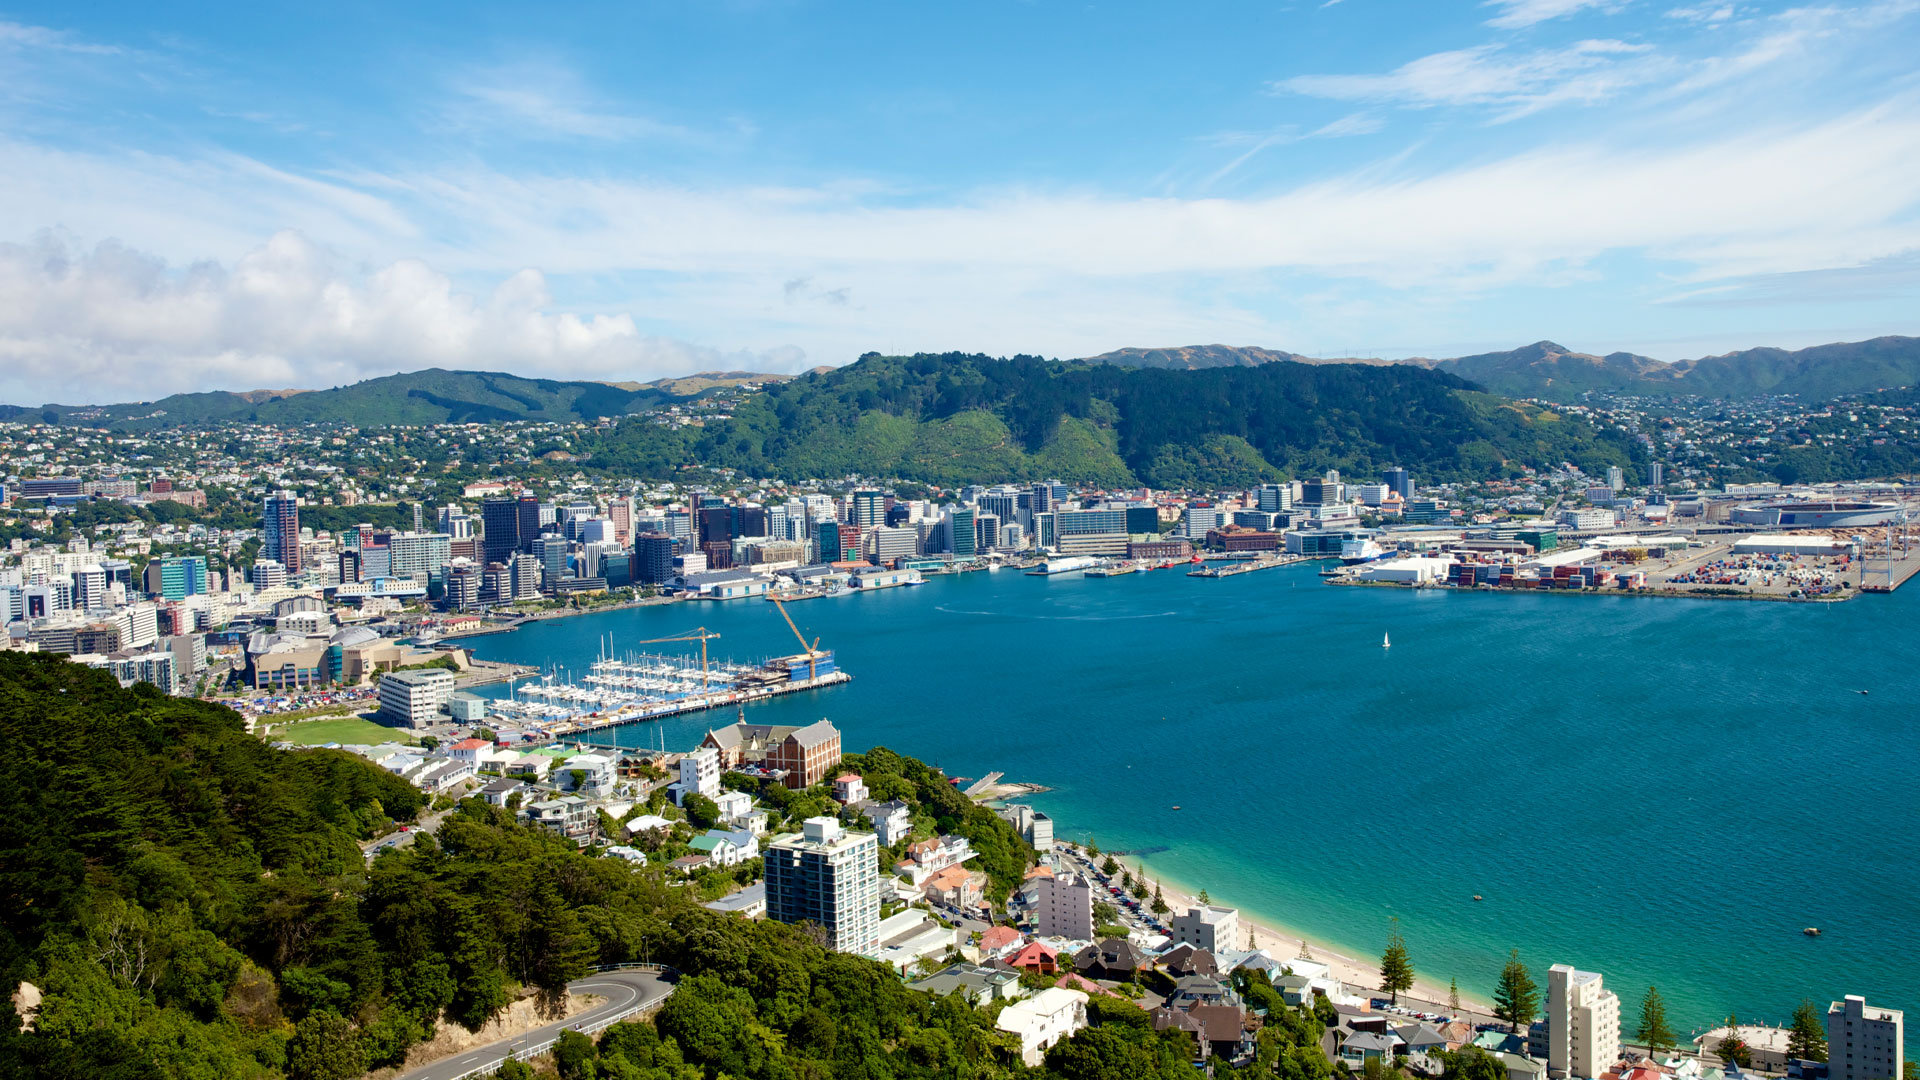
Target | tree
(1807,1039)
(1516,996)
(1396,970)
(701,811)
(1159,902)
(1110,867)
(1203,898)
(1733,1048)
(1654,1034)
(573,1056)
(1093,850)
(1453,996)
(324,1047)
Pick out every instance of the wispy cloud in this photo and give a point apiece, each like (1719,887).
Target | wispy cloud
(546,101)
(1517,82)
(1703,13)
(1519,14)
(19,36)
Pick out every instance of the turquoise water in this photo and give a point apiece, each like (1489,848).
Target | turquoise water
(1665,791)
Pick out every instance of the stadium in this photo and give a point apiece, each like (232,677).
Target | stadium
(1817,515)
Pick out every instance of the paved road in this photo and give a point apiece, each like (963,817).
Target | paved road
(625,991)
(428,823)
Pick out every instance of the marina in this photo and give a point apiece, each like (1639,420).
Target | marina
(644,686)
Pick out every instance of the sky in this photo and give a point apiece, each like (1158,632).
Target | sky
(275,195)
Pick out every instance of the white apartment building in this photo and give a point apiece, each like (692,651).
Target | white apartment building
(1215,929)
(699,775)
(831,878)
(1043,1020)
(414,698)
(1583,1024)
(1864,1042)
(1065,909)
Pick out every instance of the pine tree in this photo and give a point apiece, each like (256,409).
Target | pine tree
(1093,849)
(1204,898)
(1159,902)
(1453,996)
(1109,867)
(1654,1034)
(1733,1048)
(1396,971)
(1517,995)
(1807,1039)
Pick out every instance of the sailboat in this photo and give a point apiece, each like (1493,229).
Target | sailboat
(1386,642)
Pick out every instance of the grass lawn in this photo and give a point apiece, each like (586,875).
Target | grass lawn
(338,729)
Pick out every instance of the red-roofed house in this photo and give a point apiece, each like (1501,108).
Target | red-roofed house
(849,788)
(1039,958)
(955,886)
(470,751)
(998,941)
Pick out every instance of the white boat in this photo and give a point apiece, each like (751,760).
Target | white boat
(1355,552)
(1386,642)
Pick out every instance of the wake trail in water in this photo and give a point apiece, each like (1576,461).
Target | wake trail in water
(1054,618)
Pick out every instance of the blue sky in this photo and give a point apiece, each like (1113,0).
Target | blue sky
(280,195)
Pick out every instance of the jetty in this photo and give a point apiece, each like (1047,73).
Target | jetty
(1250,566)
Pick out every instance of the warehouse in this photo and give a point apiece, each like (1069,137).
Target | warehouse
(1411,571)
(1793,545)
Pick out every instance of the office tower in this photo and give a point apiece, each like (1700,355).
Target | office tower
(1583,1024)
(500,520)
(419,555)
(532,519)
(349,566)
(828,877)
(523,577)
(869,509)
(1864,1042)
(176,577)
(1398,480)
(962,535)
(551,551)
(1616,478)
(280,531)
(620,512)
(680,526)
(653,558)
(268,574)
(716,524)
(89,587)
(1274,498)
(1656,474)
(826,541)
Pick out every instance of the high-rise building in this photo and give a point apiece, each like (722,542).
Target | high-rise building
(524,573)
(1583,1024)
(620,512)
(280,531)
(176,577)
(1398,481)
(268,574)
(1215,929)
(1065,908)
(1864,1042)
(500,520)
(419,555)
(869,509)
(891,544)
(1616,479)
(552,553)
(653,558)
(531,518)
(962,536)
(89,587)
(455,522)
(1041,498)
(829,877)
(1274,498)
(1656,474)
(716,524)
(826,541)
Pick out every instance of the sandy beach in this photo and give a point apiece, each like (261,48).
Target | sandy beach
(1284,943)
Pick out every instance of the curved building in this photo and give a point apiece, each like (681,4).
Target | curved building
(1817,515)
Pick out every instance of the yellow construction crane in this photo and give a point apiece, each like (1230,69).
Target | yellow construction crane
(698,633)
(813,650)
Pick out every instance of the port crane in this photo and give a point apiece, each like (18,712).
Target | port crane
(813,650)
(698,633)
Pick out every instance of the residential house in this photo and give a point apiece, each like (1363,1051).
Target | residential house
(748,903)
(977,985)
(644,823)
(726,848)
(1043,1020)
(569,815)
(928,857)
(910,936)
(587,774)
(630,854)
(999,942)
(471,751)
(443,776)
(1113,959)
(1192,990)
(1356,1048)
(530,766)
(890,821)
(1184,960)
(1037,957)
(497,792)
(848,788)
(687,864)
(956,887)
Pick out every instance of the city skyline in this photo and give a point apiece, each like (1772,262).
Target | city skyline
(234,199)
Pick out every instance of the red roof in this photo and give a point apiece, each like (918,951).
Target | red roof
(998,937)
(1032,954)
(470,744)
(847,778)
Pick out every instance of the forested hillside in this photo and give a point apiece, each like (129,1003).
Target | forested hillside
(193,905)
(956,418)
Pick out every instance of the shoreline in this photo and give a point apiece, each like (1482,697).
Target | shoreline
(1283,942)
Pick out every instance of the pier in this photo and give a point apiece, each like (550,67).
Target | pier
(1250,566)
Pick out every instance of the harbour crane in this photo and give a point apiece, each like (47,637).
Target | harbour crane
(813,650)
(698,633)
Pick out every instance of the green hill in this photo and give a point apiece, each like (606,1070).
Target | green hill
(193,906)
(957,419)
(432,396)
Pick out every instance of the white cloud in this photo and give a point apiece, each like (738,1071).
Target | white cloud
(1519,14)
(545,101)
(1703,13)
(112,323)
(1520,83)
(15,35)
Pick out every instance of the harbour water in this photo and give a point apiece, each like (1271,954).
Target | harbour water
(1666,792)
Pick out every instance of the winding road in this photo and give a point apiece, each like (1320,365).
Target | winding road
(626,990)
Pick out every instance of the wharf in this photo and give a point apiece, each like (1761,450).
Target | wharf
(701,703)
(1250,566)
